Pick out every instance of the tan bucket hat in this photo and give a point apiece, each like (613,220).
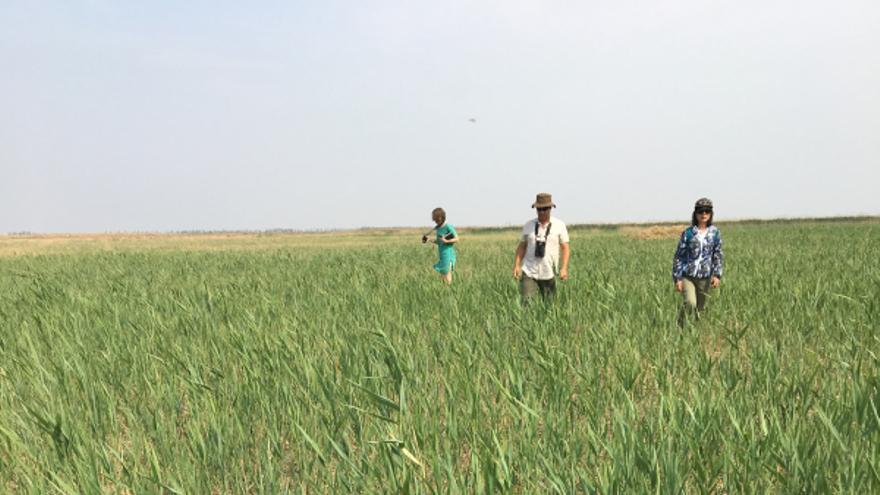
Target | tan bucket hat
(543,200)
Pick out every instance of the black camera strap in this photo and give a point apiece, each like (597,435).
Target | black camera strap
(546,232)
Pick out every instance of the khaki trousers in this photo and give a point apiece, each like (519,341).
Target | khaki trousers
(695,294)
(529,287)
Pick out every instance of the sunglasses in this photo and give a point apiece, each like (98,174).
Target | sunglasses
(700,212)
(546,208)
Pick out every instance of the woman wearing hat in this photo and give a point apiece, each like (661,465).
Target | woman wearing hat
(542,250)
(699,260)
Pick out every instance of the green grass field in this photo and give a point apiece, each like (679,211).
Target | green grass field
(322,364)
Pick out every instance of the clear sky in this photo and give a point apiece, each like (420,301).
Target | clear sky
(207,115)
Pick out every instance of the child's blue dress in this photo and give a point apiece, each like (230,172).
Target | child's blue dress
(447,251)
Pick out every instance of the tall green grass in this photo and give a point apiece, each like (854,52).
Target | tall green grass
(352,369)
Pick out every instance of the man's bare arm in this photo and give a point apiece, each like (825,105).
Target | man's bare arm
(517,262)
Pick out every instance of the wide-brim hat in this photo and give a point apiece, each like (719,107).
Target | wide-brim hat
(703,204)
(543,200)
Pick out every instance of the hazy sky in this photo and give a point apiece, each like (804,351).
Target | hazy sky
(161,115)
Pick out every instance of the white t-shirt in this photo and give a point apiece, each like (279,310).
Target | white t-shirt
(701,237)
(543,268)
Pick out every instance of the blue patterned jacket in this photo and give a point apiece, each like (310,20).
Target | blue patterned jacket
(698,259)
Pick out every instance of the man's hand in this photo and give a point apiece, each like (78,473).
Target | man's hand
(517,261)
(715,282)
(679,286)
(565,253)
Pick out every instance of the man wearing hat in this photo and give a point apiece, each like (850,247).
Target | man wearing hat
(542,251)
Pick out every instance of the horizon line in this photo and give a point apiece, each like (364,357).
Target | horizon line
(285,230)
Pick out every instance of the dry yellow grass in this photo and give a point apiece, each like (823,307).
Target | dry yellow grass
(19,245)
(77,243)
(49,244)
(653,232)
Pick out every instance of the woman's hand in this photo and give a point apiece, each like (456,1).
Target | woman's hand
(715,282)
(679,286)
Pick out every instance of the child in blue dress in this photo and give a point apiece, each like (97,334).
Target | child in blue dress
(698,262)
(445,237)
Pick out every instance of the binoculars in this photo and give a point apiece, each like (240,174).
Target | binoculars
(448,236)
(541,245)
(540,248)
